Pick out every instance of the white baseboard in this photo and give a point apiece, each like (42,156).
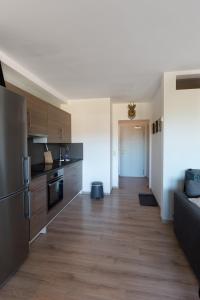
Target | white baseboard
(115,187)
(88,193)
(168,221)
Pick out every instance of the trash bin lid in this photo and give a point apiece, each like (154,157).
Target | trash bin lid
(97,183)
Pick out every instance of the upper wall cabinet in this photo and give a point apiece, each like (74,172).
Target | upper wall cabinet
(37,116)
(68,127)
(37,111)
(59,125)
(55,130)
(45,119)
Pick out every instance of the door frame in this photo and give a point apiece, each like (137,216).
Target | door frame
(144,123)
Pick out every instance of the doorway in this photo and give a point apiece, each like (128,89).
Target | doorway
(133,148)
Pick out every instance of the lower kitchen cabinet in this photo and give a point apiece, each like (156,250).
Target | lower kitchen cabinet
(38,220)
(72,185)
(72,181)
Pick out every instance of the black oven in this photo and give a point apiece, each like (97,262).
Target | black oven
(55,187)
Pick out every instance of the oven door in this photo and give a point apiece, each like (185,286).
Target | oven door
(55,192)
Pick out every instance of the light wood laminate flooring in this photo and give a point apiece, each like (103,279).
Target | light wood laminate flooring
(111,249)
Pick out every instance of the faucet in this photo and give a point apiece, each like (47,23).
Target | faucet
(60,156)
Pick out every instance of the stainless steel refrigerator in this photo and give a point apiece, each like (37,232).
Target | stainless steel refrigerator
(14,181)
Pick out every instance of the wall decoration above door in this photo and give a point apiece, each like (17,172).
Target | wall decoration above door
(131,111)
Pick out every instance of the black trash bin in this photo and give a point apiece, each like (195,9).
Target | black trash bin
(97,190)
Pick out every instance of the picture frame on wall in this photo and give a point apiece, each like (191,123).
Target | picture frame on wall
(159,125)
(156,124)
(153,128)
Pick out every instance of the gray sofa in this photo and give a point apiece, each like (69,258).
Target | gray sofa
(187,229)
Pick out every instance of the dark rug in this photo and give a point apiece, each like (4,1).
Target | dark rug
(147,200)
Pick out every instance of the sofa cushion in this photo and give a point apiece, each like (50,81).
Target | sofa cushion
(192,183)
(195,201)
(192,188)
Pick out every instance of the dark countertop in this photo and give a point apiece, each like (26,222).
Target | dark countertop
(42,169)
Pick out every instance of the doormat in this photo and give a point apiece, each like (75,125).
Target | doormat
(147,200)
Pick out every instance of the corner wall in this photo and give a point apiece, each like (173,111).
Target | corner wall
(156,147)
(181,137)
(91,126)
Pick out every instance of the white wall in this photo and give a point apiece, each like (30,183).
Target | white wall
(156,148)
(91,125)
(181,137)
(111,185)
(120,112)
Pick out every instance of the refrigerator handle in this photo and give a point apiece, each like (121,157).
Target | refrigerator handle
(27,205)
(27,171)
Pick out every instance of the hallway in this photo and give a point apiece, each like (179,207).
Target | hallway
(105,250)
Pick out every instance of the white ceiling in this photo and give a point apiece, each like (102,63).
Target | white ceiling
(101,48)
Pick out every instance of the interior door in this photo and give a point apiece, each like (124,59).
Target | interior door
(131,150)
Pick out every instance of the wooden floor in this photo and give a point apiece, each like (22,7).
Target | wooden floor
(105,250)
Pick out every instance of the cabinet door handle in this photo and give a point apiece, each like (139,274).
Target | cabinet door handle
(61,133)
(27,205)
(29,119)
(26,170)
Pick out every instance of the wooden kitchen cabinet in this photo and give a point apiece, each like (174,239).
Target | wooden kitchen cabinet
(37,116)
(45,119)
(72,181)
(38,220)
(72,185)
(55,129)
(37,111)
(65,119)
(59,125)
(68,127)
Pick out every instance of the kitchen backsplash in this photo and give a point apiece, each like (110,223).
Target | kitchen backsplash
(36,151)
